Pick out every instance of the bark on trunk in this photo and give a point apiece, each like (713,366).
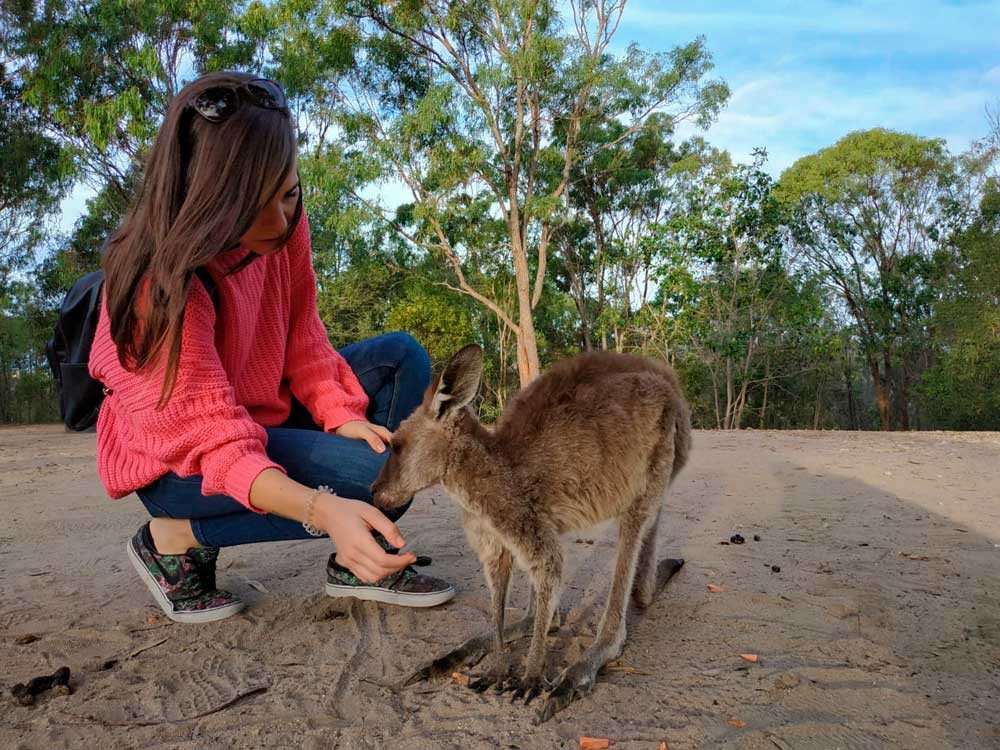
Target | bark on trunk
(528,367)
(851,409)
(881,395)
(818,405)
(767,384)
(729,393)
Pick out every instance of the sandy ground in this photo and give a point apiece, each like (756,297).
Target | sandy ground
(882,628)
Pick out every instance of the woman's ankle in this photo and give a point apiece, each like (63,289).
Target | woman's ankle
(171,536)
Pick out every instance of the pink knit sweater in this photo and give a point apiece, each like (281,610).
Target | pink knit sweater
(235,377)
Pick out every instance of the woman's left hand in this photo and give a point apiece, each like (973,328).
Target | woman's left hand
(375,435)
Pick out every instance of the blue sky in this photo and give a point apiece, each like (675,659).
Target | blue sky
(803,74)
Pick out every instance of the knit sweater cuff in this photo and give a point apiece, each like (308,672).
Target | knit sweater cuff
(241,475)
(336,416)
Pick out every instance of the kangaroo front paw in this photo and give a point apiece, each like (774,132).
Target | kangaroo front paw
(576,682)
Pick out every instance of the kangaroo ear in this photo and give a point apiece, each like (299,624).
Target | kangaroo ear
(459,382)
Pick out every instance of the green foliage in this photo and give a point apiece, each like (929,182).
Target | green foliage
(355,303)
(962,389)
(547,204)
(27,392)
(869,213)
(99,74)
(442,322)
(33,178)
(484,111)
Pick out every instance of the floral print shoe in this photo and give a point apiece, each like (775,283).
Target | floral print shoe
(183,585)
(406,587)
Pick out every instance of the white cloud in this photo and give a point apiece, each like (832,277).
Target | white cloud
(804,74)
(792,115)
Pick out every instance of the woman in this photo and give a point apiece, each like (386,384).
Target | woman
(228,412)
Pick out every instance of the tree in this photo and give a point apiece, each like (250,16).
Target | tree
(961,390)
(477,109)
(608,250)
(33,178)
(727,233)
(869,213)
(98,75)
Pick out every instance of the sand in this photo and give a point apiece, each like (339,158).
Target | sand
(882,628)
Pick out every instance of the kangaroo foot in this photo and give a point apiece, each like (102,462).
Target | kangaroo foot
(495,677)
(525,687)
(473,650)
(469,653)
(575,682)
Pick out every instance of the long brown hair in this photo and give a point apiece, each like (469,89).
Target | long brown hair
(203,187)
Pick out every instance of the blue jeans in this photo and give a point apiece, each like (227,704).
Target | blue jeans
(394,371)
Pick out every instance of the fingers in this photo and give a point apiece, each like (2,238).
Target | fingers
(362,570)
(373,439)
(386,563)
(382,432)
(377,436)
(371,563)
(376,520)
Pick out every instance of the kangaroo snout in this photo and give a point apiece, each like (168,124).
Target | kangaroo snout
(381,495)
(388,489)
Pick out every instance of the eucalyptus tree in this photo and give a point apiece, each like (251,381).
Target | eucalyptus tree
(870,211)
(97,75)
(477,110)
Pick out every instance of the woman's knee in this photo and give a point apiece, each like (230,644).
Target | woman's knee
(154,510)
(409,352)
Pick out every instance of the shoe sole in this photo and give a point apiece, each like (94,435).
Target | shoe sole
(388,596)
(211,615)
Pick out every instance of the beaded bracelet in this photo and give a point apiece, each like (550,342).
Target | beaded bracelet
(307,524)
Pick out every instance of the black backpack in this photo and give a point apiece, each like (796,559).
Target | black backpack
(68,351)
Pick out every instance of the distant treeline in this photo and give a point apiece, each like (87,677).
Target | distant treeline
(492,172)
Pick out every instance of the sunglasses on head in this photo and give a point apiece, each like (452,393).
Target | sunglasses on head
(219,103)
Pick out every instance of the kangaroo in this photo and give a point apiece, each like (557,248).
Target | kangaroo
(598,436)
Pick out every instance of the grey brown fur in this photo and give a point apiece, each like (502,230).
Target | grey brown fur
(599,436)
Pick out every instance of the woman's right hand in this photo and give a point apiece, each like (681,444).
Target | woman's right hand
(350,524)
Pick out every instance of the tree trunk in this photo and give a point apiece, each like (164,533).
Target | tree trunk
(767,384)
(729,393)
(818,405)
(6,395)
(503,336)
(881,394)
(848,384)
(741,402)
(578,289)
(528,366)
(715,394)
(903,399)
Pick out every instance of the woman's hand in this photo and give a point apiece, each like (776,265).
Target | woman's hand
(350,524)
(375,435)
